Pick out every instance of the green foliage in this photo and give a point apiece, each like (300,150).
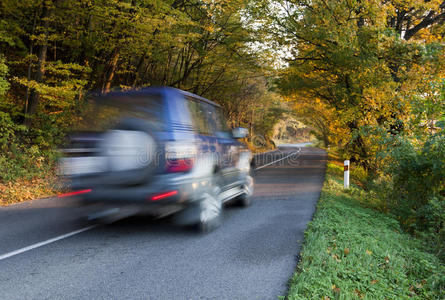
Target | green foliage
(417,186)
(4,84)
(352,252)
(7,133)
(18,157)
(59,49)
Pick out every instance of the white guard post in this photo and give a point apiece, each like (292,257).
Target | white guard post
(346,178)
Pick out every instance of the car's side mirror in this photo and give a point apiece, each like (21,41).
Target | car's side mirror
(239,132)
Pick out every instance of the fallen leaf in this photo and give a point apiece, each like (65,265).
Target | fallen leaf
(346,251)
(368,252)
(335,256)
(374,281)
(359,294)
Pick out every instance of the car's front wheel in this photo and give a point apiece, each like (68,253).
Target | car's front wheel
(245,199)
(210,210)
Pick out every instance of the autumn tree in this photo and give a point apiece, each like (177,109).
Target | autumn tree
(354,57)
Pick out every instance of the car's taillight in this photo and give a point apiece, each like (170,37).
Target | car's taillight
(179,165)
(179,156)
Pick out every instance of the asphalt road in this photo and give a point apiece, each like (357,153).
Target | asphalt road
(252,256)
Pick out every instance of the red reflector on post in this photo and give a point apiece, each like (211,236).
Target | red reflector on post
(163,195)
(74,193)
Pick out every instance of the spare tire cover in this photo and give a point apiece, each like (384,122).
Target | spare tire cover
(130,149)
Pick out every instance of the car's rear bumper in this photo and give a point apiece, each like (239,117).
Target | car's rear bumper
(161,190)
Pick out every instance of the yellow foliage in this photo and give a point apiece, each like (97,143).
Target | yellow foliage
(22,190)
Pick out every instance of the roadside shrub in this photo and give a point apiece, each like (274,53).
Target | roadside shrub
(18,157)
(417,195)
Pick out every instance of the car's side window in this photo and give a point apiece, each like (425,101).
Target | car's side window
(199,116)
(211,117)
(208,119)
(222,130)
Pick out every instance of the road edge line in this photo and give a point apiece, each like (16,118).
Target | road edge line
(43,243)
(268,164)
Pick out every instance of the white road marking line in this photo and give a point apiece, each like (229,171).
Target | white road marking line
(40,244)
(293,153)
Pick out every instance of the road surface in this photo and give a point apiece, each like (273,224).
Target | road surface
(252,256)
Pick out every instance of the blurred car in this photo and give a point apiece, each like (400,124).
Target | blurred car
(161,150)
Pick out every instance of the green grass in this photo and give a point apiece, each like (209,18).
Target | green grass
(353,252)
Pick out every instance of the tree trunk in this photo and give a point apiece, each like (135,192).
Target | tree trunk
(28,77)
(251,124)
(325,139)
(139,69)
(109,74)
(34,98)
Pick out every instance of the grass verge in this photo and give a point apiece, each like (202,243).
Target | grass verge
(352,251)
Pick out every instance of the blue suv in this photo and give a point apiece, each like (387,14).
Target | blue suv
(159,150)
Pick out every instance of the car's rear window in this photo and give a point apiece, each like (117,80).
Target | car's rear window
(104,113)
